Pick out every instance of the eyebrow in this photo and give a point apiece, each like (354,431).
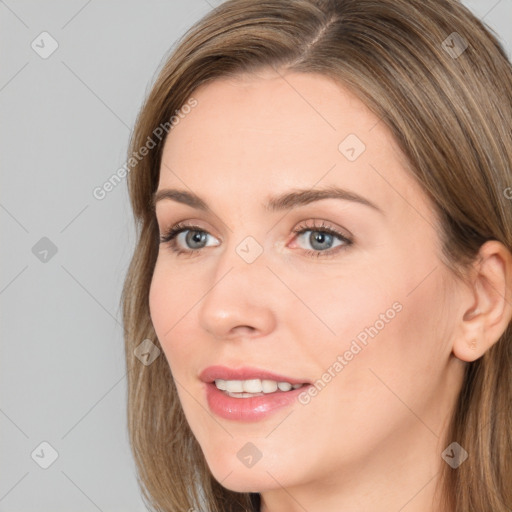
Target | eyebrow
(286,201)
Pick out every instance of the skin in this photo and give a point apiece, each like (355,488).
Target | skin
(372,438)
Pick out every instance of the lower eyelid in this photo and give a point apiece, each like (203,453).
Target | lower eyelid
(338,236)
(170,237)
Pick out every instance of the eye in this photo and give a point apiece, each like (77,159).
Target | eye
(322,238)
(192,236)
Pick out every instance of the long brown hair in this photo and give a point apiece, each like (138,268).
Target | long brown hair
(442,83)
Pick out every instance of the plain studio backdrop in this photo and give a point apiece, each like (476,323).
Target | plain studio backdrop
(72,79)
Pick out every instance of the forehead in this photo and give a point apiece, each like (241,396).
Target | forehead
(274,109)
(273,131)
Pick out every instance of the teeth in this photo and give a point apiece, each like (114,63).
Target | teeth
(269,386)
(251,386)
(254,386)
(221,384)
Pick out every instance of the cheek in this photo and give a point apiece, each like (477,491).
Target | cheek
(159,304)
(172,295)
(168,310)
(338,308)
(404,351)
(372,390)
(390,334)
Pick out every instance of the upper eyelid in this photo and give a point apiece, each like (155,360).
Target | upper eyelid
(193,226)
(171,234)
(342,234)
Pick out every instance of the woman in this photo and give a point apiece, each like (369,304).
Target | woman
(324,261)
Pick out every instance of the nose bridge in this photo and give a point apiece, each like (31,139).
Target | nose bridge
(238,295)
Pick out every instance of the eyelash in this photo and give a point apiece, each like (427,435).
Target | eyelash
(169,237)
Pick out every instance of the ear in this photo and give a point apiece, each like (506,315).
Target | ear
(487,310)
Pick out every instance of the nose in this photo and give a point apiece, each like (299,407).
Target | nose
(239,300)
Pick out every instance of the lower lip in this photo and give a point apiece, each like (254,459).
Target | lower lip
(249,409)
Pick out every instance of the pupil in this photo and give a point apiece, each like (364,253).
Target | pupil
(195,237)
(320,238)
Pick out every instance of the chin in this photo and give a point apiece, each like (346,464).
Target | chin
(248,482)
(242,485)
(233,475)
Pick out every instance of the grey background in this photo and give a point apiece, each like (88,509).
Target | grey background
(65,126)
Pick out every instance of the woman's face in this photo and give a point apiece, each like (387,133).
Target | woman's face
(359,302)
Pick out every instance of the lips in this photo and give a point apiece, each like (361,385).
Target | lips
(212,373)
(251,409)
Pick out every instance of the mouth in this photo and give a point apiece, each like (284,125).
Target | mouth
(249,394)
(247,380)
(249,407)
(253,387)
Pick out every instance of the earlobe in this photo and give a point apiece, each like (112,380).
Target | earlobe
(490,303)
(469,350)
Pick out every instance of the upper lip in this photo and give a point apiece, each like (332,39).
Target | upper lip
(211,373)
